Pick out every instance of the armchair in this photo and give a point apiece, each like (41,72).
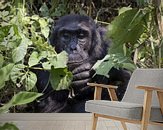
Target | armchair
(141,104)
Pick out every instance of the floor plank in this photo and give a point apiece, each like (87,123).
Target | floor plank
(57,121)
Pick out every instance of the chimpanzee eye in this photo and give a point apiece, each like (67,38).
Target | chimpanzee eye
(81,34)
(66,35)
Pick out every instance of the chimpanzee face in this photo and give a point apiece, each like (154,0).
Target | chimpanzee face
(79,37)
(75,39)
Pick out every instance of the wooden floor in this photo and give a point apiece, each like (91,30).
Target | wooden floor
(58,121)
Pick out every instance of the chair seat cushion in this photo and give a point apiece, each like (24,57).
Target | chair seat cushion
(125,110)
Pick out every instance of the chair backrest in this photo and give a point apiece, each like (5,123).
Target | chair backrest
(146,77)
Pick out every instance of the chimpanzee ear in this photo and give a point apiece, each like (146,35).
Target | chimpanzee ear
(53,39)
(99,46)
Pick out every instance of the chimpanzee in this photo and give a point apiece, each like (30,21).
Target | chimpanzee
(79,36)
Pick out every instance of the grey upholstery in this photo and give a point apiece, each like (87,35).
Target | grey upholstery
(131,105)
(125,110)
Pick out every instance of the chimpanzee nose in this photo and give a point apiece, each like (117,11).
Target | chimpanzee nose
(73,43)
(73,46)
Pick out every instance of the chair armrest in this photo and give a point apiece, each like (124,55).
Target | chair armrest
(149,88)
(98,90)
(102,85)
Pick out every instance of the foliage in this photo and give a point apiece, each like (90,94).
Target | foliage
(103,11)
(8,126)
(137,37)
(24,47)
(116,60)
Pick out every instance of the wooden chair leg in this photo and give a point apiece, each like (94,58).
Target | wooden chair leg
(146,110)
(160,98)
(124,125)
(94,121)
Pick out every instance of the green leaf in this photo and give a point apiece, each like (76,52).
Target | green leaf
(24,98)
(30,80)
(33,59)
(47,54)
(60,10)
(123,9)
(5,13)
(4,32)
(8,126)
(43,23)
(19,53)
(60,78)
(35,17)
(128,26)
(129,66)
(20,76)
(45,31)
(4,74)
(44,10)
(118,60)
(6,107)
(99,62)
(16,29)
(1,60)
(17,73)
(55,60)
(101,66)
(44,27)
(20,98)
(60,61)
(36,57)
(104,68)
(46,65)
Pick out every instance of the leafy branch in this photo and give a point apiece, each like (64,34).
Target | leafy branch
(24,47)
(137,38)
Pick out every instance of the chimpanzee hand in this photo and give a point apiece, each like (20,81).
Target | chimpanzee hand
(81,75)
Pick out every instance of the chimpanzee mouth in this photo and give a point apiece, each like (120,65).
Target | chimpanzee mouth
(76,60)
(72,64)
